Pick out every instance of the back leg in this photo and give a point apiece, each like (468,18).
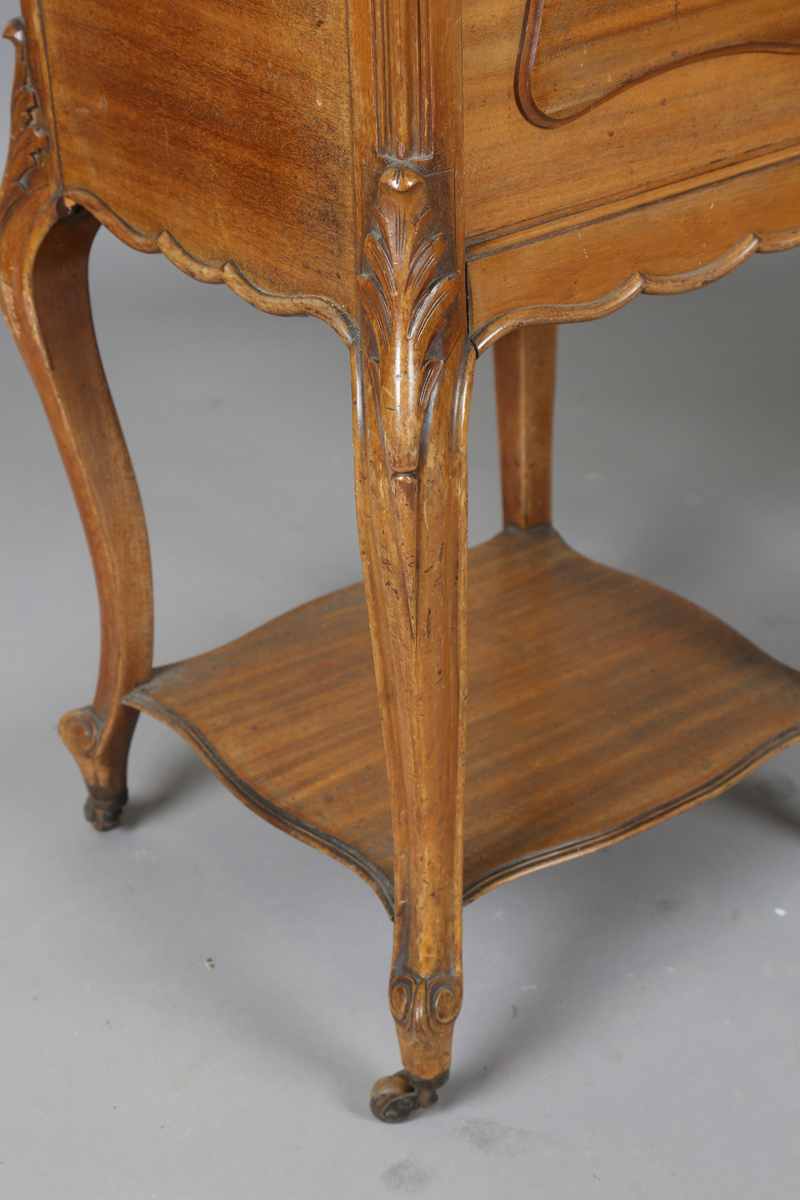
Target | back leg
(525,375)
(44,251)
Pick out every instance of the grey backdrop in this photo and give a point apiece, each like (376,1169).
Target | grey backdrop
(630,1027)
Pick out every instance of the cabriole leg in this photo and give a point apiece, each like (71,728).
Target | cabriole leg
(525,375)
(411,391)
(44,250)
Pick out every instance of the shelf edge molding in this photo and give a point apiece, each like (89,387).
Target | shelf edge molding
(610,837)
(328,843)
(650,709)
(473,888)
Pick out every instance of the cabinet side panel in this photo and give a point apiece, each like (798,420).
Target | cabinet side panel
(224,122)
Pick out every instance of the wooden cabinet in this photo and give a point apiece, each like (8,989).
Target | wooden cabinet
(431,180)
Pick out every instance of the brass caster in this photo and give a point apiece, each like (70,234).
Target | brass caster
(395,1098)
(102,809)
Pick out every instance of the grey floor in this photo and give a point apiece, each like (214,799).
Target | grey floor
(631,1026)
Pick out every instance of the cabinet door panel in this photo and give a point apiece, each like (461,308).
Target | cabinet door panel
(577,53)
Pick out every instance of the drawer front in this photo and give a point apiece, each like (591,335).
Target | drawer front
(583,269)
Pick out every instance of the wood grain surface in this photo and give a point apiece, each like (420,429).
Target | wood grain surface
(584,269)
(44,291)
(580,732)
(372,164)
(577,53)
(225,123)
(676,126)
(525,381)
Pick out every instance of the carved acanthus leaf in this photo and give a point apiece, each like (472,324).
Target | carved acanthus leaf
(406,301)
(26,167)
(406,307)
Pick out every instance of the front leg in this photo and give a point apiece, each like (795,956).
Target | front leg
(44,251)
(412,384)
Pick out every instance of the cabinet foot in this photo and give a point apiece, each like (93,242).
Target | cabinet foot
(103,809)
(395,1098)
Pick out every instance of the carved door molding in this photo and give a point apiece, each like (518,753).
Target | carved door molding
(575,54)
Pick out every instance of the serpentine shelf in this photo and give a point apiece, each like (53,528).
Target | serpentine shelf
(598,705)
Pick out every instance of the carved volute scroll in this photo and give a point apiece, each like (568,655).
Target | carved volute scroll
(82,731)
(418,1003)
(27,167)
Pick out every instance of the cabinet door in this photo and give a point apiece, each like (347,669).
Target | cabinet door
(578,53)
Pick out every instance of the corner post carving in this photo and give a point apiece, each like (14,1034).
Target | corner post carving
(412,379)
(402,81)
(407,303)
(28,163)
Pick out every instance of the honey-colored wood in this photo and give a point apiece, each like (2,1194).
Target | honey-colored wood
(525,380)
(588,269)
(671,128)
(576,55)
(43,272)
(578,732)
(227,272)
(430,179)
(225,124)
(412,380)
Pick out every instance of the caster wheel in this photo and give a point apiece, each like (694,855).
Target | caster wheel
(395,1098)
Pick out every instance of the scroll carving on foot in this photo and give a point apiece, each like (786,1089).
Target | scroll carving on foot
(422,1004)
(407,302)
(421,1007)
(27,167)
(81,731)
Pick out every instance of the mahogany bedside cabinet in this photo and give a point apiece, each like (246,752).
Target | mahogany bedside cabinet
(430,177)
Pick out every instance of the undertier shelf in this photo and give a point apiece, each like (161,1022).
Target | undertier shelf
(598,705)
